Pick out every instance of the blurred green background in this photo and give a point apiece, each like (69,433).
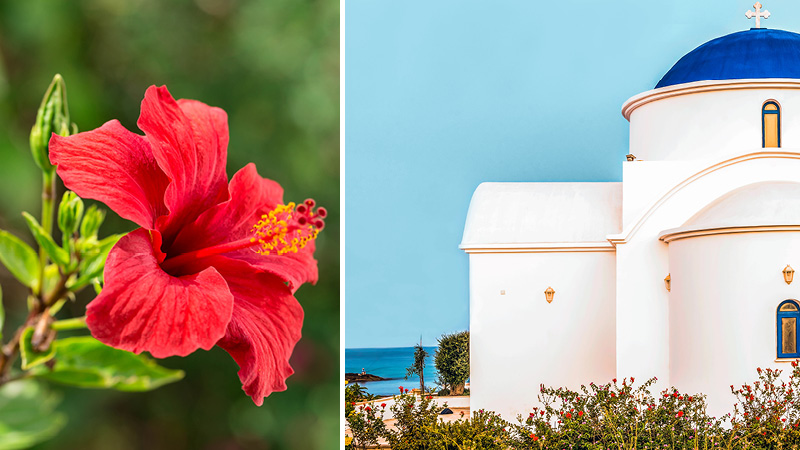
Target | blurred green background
(273,65)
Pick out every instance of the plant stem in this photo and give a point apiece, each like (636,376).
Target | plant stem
(10,349)
(76,323)
(48,205)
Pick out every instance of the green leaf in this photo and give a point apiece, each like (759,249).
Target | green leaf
(27,415)
(51,277)
(43,238)
(30,357)
(19,258)
(98,288)
(2,314)
(86,362)
(94,262)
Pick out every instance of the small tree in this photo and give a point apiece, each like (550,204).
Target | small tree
(452,361)
(418,366)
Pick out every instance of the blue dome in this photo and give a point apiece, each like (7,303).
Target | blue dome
(755,53)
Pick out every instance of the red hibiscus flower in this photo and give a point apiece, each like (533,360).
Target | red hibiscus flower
(214,263)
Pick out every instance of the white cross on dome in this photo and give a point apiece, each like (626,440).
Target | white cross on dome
(758,14)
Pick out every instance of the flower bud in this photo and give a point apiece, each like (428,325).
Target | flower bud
(91,222)
(70,212)
(52,117)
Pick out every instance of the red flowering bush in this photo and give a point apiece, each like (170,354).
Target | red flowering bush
(767,413)
(616,415)
(415,419)
(365,423)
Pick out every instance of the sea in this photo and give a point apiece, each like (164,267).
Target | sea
(389,363)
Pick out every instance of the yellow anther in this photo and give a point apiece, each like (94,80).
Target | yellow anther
(278,231)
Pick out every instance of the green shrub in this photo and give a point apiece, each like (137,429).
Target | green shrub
(484,431)
(609,416)
(366,424)
(415,420)
(452,361)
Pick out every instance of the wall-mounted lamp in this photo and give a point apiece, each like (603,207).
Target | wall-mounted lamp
(668,282)
(788,274)
(549,293)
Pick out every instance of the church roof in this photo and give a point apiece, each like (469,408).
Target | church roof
(755,53)
(519,213)
(772,203)
(769,203)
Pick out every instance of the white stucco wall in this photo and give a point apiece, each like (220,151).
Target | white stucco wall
(725,292)
(713,123)
(643,347)
(519,341)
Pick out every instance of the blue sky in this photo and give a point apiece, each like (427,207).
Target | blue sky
(442,95)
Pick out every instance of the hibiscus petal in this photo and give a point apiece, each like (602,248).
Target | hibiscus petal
(114,166)
(265,326)
(142,308)
(210,131)
(190,143)
(294,268)
(250,197)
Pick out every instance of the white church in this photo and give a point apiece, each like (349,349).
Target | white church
(682,271)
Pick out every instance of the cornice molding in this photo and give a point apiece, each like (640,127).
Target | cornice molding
(682,233)
(697,87)
(539,247)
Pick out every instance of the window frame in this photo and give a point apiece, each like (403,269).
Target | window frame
(779,329)
(764,112)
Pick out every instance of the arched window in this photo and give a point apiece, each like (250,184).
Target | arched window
(788,319)
(770,124)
